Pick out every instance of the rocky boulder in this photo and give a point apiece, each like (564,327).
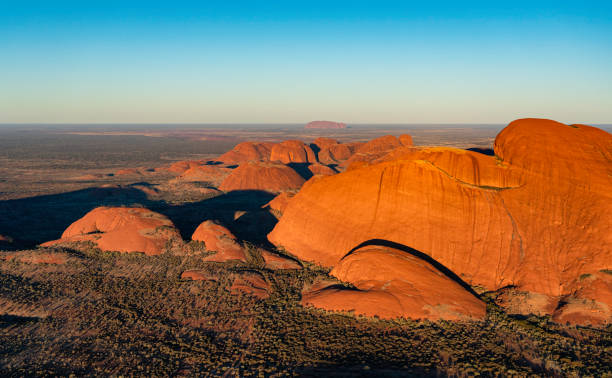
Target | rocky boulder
(220,240)
(391,283)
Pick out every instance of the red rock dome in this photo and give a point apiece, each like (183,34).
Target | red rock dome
(122,229)
(269,177)
(292,151)
(247,151)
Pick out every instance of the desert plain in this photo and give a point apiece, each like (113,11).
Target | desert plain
(272,250)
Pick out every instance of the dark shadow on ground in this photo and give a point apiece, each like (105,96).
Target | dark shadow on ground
(224,208)
(484,151)
(444,270)
(301,169)
(38,219)
(8,320)
(35,220)
(316,149)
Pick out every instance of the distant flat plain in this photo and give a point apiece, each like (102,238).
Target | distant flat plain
(38,159)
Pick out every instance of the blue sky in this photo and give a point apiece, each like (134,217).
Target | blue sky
(296,61)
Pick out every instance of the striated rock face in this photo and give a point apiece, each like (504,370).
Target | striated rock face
(535,216)
(292,151)
(392,283)
(247,151)
(270,177)
(219,239)
(325,125)
(122,229)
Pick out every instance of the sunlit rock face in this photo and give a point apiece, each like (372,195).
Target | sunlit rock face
(292,151)
(536,216)
(220,240)
(271,177)
(247,151)
(392,283)
(122,229)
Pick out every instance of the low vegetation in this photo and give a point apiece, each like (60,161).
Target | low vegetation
(129,314)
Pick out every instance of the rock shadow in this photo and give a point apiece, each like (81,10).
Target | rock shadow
(484,151)
(34,220)
(233,209)
(301,169)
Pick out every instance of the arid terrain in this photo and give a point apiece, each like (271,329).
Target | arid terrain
(269,250)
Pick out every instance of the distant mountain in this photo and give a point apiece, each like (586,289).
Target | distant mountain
(325,125)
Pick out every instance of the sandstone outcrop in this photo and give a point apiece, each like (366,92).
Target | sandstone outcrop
(292,151)
(376,148)
(279,203)
(391,283)
(590,301)
(198,275)
(247,151)
(180,167)
(271,177)
(251,283)
(337,153)
(324,142)
(276,262)
(535,216)
(325,125)
(204,173)
(320,169)
(122,229)
(406,140)
(220,240)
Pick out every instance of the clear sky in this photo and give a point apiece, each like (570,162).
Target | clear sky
(296,61)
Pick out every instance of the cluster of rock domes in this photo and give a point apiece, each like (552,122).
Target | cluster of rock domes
(535,218)
(415,230)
